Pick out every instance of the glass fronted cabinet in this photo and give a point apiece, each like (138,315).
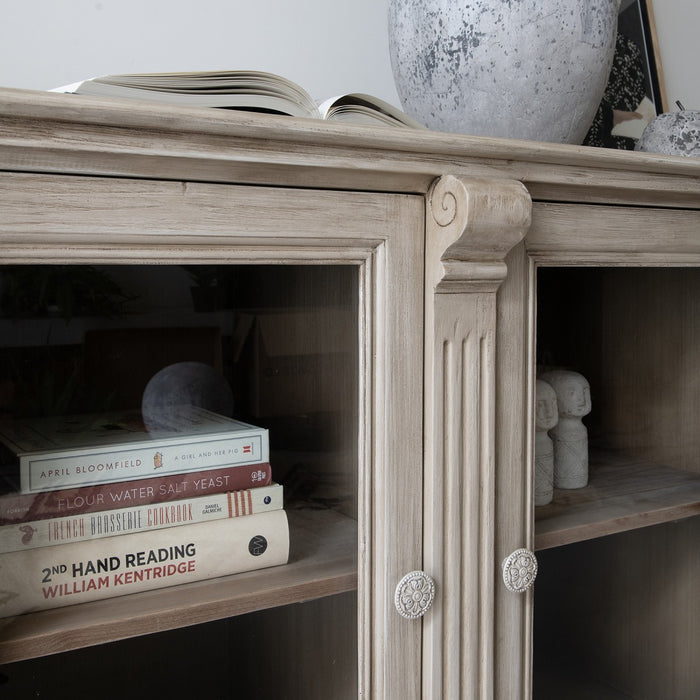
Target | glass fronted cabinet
(307,307)
(381,301)
(611,295)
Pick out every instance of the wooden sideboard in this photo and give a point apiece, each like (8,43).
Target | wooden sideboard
(456,266)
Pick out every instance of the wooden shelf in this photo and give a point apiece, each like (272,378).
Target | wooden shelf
(323,561)
(622,494)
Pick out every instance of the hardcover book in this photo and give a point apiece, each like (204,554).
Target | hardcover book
(78,572)
(21,508)
(243,90)
(155,516)
(69,451)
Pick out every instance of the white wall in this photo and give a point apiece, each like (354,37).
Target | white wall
(328,46)
(677,24)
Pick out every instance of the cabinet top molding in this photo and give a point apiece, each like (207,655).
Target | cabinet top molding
(53,132)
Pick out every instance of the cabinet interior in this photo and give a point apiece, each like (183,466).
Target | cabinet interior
(616,594)
(286,340)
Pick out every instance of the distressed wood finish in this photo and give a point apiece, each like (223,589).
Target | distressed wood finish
(633,299)
(51,218)
(471,226)
(77,134)
(448,233)
(514,484)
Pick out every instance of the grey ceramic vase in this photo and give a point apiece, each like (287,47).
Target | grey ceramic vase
(527,69)
(673,134)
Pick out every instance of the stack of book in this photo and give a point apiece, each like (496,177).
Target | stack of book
(98,506)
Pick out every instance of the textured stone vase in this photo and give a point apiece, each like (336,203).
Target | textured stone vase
(528,69)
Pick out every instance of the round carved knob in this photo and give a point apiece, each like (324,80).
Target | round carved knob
(414,594)
(519,570)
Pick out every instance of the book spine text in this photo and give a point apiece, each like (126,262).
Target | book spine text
(21,508)
(61,470)
(120,521)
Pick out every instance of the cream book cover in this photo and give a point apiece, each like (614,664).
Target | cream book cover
(67,574)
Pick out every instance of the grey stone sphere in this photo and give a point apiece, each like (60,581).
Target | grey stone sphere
(183,384)
(673,134)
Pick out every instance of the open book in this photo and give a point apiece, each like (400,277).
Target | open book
(244,90)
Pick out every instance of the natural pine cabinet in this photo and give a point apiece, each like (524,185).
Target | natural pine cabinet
(439,272)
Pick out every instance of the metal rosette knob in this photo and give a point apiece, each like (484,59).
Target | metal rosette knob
(519,570)
(414,595)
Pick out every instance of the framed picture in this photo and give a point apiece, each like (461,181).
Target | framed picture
(635,93)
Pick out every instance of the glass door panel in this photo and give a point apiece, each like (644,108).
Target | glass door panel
(275,346)
(618,556)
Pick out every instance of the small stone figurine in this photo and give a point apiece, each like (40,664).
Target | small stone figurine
(546,417)
(570,436)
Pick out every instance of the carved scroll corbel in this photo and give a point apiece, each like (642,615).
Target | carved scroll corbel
(471,227)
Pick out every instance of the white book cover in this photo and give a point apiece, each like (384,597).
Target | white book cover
(71,451)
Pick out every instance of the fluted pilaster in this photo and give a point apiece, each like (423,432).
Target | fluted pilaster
(471,227)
